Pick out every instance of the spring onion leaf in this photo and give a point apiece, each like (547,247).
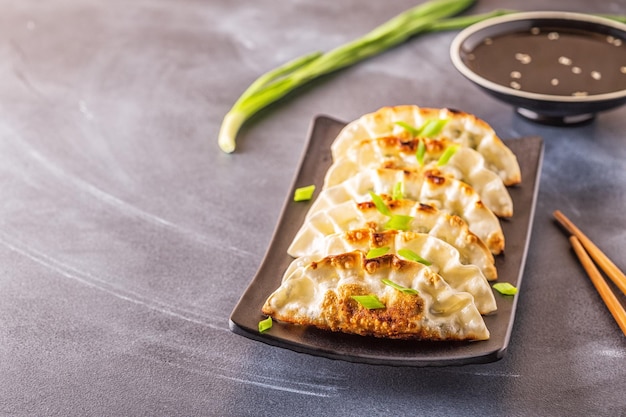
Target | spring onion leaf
(431,16)
(432,127)
(398,191)
(412,130)
(429,129)
(447,154)
(376,252)
(461,22)
(265,325)
(400,288)
(370,301)
(276,84)
(380,204)
(505,288)
(412,256)
(398,222)
(304,193)
(421,151)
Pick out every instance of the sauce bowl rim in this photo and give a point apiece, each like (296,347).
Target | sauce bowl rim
(464,35)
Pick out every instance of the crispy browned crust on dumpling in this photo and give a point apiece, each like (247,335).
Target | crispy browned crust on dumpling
(399,320)
(429,187)
(426,219)
(394,152)
(320,294)
(441,257)
(462,128)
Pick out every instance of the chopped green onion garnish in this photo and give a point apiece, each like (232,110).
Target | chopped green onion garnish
(447,154)
(376,252)
(304,193)
(413,131)
(505,288)
(421,151)
(398,191)
(412,256)
(398,222)
(265,325)
(432,127)
(370,302)
(400,288)
(380,204)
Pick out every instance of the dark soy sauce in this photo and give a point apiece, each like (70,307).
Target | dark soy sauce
(563,62)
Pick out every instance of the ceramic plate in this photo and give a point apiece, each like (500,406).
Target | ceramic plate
(316,159)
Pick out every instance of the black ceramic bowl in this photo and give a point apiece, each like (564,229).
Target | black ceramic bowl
(554,67)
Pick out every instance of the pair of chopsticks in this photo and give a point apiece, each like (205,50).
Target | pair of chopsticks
(586,250)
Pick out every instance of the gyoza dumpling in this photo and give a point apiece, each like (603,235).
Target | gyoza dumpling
(462,128)
(310,238)
(447,194)
(466,165)
(441,257)
(321,294)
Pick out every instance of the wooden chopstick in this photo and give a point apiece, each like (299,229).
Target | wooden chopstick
(609,298)
(611,270)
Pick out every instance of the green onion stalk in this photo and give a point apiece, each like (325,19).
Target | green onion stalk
(434,15)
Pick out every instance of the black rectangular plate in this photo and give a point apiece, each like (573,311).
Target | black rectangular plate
(316,159)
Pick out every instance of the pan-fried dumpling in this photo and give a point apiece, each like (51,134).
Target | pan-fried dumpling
(442,258)
(462,128)
(466,165)
(347,216)
(447,194)
(321,294)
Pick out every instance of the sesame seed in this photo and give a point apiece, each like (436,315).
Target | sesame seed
(554,81)
(523,58)
(553,36)
(576,70)
(596,75)
(515,85)
(516,74)
(535,31)
(563,60)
